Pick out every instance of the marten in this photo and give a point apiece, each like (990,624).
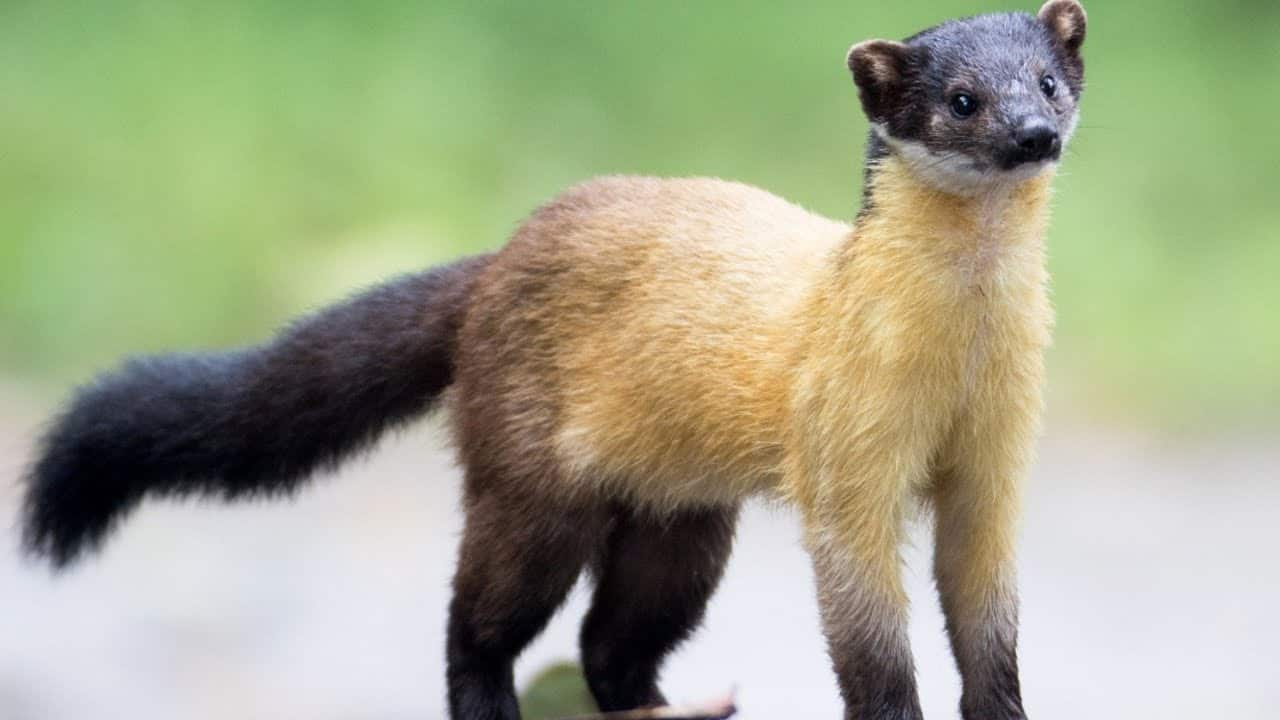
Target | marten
(644,355)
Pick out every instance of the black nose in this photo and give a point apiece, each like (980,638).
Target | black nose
(1036,140)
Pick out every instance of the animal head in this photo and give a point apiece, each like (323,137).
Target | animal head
(977,101)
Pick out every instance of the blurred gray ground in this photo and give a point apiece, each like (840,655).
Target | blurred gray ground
(1150,588)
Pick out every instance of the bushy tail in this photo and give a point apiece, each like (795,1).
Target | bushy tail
(250,422)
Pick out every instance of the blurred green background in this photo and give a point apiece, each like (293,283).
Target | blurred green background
(178,175)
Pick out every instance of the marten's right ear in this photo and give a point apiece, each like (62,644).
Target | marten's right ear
(880,71)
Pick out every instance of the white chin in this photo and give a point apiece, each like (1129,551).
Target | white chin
(1026,171)
(956,173)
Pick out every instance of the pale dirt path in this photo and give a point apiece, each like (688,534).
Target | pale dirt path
(1150,588)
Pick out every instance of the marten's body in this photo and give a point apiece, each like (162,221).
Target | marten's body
(707,332)
(644,355)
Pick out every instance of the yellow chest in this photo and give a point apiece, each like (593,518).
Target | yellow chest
(935,303)
(943,281)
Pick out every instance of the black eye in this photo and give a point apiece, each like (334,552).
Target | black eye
(1049,86)
(963,105)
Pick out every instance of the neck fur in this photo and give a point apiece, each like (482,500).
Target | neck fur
(902,209)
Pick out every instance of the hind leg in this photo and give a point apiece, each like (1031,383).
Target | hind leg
(654,581)
(519,558)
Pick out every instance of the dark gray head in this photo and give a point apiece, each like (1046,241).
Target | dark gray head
(979,100)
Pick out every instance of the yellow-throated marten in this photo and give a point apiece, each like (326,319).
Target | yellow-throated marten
(644,355)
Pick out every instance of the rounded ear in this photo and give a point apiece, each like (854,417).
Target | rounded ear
(1066,19)
(879,70)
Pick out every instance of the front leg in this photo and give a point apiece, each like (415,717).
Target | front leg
(976,498)
(974,570)
(864,613)
(854,516)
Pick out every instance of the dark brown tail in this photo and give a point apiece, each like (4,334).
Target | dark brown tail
(251,422)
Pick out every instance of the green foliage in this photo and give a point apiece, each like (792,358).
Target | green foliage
(185,175)
(559,691)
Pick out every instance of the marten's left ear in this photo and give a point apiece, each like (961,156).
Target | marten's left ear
(879,70)
(1066,20)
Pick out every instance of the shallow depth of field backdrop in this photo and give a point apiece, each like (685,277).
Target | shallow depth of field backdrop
(180,175)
